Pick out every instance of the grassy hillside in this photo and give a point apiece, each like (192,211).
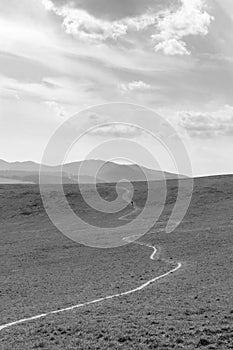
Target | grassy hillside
(41,270)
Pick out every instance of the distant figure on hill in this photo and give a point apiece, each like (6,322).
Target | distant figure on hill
(132,204)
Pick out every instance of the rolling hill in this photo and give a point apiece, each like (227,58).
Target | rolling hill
(90,170)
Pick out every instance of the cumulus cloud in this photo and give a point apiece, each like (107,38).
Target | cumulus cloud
(85,26)
(208,125)
(172,47)
(190,19)
(134,85)
(171,25)
(117,130)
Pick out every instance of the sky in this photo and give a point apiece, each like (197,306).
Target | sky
(58,57)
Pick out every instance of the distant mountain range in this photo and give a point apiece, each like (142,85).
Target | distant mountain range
(28,172)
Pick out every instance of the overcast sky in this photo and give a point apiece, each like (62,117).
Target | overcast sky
(174,56)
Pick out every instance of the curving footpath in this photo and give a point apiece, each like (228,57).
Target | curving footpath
(144,285)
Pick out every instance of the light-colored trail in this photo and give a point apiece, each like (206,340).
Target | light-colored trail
(95,301)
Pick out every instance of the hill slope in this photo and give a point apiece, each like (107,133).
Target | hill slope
(89,171)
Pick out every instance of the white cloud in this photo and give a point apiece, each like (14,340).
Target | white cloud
(171,26)
(87,27)
(172,47)
(207,125)
(134,85)
(48,4)
(117,130)
(190,19)
(57,108)
(141,22)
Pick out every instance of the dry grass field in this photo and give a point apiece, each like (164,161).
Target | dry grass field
(41,270)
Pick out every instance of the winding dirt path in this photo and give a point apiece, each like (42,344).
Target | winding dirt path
(95,301)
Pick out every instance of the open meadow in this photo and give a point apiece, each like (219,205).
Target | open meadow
(41,270)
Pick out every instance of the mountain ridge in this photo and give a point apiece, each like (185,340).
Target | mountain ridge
(93,170)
